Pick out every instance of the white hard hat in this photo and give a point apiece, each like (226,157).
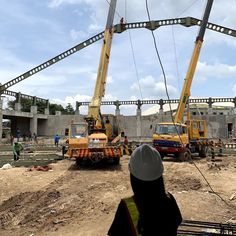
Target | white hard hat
(146,163)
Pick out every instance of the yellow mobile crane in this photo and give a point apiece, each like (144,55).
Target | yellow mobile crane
(89,140)
(176,137)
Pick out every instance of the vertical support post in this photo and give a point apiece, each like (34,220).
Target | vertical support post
(18,102)
(161,110)
(77,105)
(235,106)
(117,111)
(34,120)
(139,118)
(210,110)
(46,111)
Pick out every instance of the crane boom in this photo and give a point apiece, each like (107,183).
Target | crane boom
(178,138)
(94,106)
(193,64)
(95,146)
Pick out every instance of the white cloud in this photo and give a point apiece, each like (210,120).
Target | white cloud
(77,73)
(146,82)
(109,80)
(234,89)
(218,70)
(57,3)
(79,34)
(72,100)
(95,28)
(109,97)
(152,88)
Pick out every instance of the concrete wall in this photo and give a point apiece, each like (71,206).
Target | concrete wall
(22,123)
(56,124)
(217,124)
(49,125)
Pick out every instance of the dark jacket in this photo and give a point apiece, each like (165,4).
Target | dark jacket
(159,214)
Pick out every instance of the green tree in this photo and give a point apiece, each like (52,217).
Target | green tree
(41,106)
(69,110)
(27,103)
(55,107)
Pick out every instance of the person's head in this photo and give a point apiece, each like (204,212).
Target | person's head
(145,163)
(15,141)
(146,171)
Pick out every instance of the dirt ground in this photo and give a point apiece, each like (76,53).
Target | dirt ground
(82,201)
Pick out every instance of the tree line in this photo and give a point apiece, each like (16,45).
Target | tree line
(53,107)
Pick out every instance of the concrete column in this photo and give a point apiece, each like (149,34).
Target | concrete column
(17,106)
(139,114)
(139,122)
(210,110)
(1,116)
(18,102)
(58,113)
(77,105)
(117,111)
(161,110)
(34,120)
(46,110)
(34,109)
(34,101)
(234,111)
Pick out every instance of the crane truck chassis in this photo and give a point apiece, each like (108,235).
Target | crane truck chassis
(91,142)
(93,148)
(176,137)
(181,140)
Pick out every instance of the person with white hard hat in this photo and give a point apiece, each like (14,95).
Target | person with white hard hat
(150,211)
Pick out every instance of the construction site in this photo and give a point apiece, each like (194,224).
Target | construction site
(66,172)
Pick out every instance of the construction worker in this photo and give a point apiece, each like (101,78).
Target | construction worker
(220,145)
(17,148)
(212,146)
(126,141)
(150,211)
(56,140)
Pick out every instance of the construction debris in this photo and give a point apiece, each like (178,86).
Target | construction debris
(40,168)
(6,166)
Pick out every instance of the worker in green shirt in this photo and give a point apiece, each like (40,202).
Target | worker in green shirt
(17,148)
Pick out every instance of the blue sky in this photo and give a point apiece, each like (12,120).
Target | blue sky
(34,31)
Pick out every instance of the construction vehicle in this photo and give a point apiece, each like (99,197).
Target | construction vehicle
(88,141)
(178,138)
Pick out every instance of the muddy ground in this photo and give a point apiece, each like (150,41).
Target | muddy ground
(82,201)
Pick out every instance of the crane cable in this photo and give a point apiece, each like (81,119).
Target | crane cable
(132,48)
(162,68)
(174,43)
(133,55)
(116,12)
(160,62)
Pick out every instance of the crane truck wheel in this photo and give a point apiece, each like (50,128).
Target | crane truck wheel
(79,161)
(116,161)
(203,151)
(184,156)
